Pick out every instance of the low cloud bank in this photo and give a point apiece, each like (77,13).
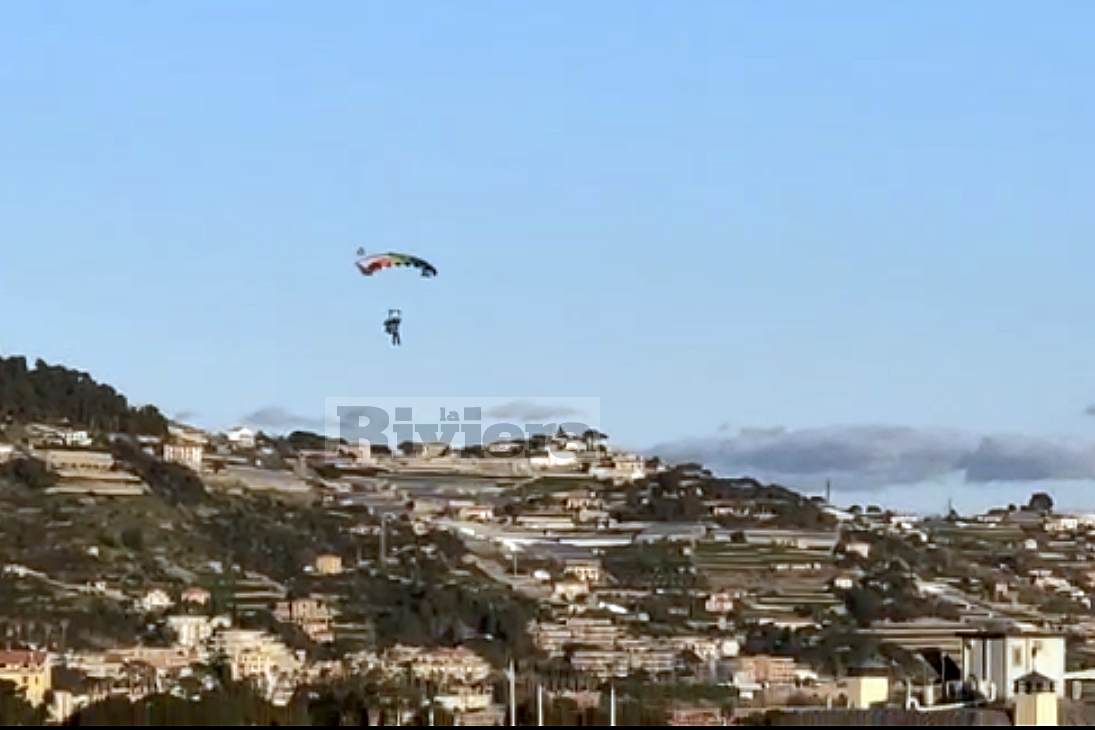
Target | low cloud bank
(879,456)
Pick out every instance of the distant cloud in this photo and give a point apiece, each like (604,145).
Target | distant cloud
(879,456)
(528,411)
(1089,411)
(273,418)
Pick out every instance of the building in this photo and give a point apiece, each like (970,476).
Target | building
(313,617)
(192,630)
(43,435)
(1061,523)
(188,454)
(457,666)
(1035,700)
(197,596)
(585,570)
(765,670)
(553,637)
(868,686)
(719,603)
(819,540)
(570,590)
(7,452)
(329,564)
(545,521)
(601,663)
(240,437)
(696,717)
(188,435)
(863,549)
(74,462)
(254,654)
(673,532)
(29,671)
(580,499)
(156,600)
(476,512)
(994,661)
(550,460)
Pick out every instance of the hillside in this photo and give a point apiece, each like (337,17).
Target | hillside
(53,393)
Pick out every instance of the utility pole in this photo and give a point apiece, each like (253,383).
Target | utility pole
(612,705)
(383,537)
(539,703)
(512,694)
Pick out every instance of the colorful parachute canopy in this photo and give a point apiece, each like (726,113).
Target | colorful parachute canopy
(369,265)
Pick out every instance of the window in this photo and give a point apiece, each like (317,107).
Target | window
(1017,656)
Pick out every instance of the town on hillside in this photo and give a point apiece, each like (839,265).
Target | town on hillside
(151,568)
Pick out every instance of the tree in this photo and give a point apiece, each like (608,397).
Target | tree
(1041,502)
(53,393)
(30,472)
(133,538)
(15,710)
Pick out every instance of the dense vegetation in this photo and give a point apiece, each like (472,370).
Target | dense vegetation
(680,495)
(831,649)
(652,566)
(28,472)
(175,483)
(53,393)
(233,705)
(433,611)
(266,536)
(888,592)
(15,711)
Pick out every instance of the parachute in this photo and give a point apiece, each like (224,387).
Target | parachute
(369,265)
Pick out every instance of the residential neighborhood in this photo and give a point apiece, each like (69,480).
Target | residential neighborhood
(741,600)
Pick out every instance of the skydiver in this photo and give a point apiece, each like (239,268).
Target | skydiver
(391,326)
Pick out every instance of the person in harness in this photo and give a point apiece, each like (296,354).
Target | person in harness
(391,326)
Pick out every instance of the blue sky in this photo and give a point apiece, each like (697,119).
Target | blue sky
(713,215)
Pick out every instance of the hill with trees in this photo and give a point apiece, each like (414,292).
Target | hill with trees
(53,393)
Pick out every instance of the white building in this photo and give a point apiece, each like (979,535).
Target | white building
(241,437)
(718,603)
(187,454)
(620,469)
(193,630)
(868,686)
(1062,523)
(1036,701)
(992,661)
(185,434)
(255,654)
(550,460)
(156,600)
(629,467)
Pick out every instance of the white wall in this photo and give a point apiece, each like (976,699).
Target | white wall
(1002,660)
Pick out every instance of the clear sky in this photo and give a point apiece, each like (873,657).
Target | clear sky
(714,215)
